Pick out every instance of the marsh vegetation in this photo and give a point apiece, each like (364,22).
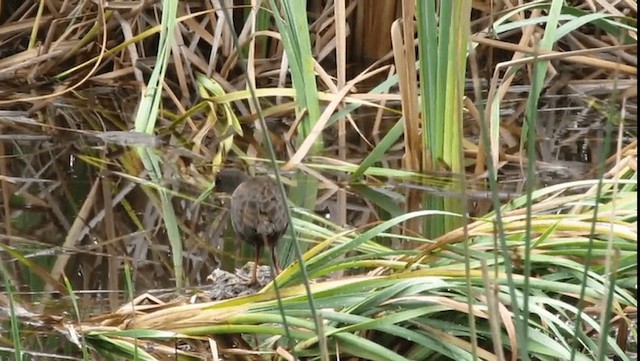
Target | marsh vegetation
(462,179)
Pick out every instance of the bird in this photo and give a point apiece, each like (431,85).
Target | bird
(258,212)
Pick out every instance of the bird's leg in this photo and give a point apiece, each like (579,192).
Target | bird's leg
(254,274)
(274,258)
(274,255)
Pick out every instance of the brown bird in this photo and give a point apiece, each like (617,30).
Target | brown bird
(258,212)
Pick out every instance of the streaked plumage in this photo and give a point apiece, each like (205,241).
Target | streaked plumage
(258,212)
